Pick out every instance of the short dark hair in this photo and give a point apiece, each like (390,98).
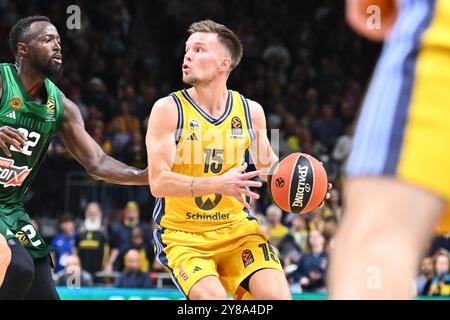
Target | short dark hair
(19,30)
(67,218)
(227,37)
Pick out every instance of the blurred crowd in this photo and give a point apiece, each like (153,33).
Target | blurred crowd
(301,62)
(94,252)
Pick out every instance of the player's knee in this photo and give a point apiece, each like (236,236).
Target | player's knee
(208,296)
(5,259)
(269,284)
(210,293)
(208,288)
(277,292)
(21,269)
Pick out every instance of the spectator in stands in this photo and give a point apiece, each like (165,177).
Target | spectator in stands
(73,276)
(316,220)
(342,148)
(137,242)
(133,276)
(333,206)
(120,235)
(278,59)
(439,242)
(295,242)
(124,128)
(330,229)
(64,242)
(91,239)
(311,270)
(440,285)
(36,225)
(426,275)
(327,129)
(276,229)
(97,95)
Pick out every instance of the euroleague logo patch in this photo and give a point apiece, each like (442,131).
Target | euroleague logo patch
(236,126)
(50,106)
(22,237)
(279,182)
(16,103)
(247,258)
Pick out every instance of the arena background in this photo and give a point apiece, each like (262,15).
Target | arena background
(301,62)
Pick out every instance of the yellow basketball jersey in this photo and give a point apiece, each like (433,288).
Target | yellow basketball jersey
(206,147)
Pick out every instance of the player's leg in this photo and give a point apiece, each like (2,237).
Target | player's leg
(43,287)
(20,273)
(208,288)
(5,258)
(190,264)
(269,284)
(249,265)
(386,228)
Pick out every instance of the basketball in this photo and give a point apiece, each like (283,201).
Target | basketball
(298,183)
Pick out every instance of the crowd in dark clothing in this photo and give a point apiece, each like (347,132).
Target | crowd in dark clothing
(119,254)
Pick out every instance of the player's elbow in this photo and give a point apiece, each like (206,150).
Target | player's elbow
(156,185)
(94,167)
(92,171)
(156,191)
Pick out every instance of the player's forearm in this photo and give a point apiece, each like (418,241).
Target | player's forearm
(171,184)
(113,171)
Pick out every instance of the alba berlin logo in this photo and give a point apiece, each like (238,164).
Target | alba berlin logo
(208,202)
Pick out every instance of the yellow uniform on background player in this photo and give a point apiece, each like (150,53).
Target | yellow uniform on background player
(398,171)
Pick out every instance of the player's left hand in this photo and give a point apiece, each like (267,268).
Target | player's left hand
(327,196)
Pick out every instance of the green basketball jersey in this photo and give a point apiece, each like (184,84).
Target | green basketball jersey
(38,123)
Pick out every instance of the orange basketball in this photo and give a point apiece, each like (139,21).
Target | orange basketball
(298,183)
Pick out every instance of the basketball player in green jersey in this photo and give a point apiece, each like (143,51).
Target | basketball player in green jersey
(32,111)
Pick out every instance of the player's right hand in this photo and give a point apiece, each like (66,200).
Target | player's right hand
(11,136)
(234,183)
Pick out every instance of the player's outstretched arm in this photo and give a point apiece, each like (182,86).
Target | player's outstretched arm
(161,151)
(91,156)
(260,149)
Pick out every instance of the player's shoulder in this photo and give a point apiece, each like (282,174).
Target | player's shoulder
(68,105)
(164,114)
(165,104)
(254,106)
(256,111)
(257,115)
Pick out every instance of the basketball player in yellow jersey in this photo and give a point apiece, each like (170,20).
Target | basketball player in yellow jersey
(196,141)
(398,183)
